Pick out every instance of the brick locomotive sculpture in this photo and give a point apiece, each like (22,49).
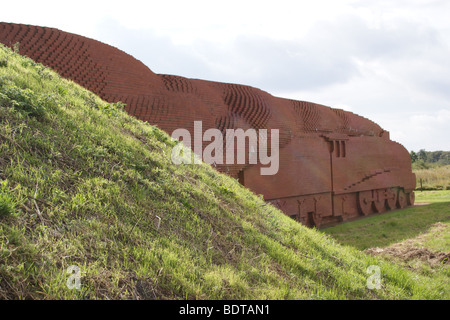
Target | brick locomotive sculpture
(333,165)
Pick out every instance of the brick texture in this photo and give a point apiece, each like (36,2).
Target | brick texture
(334,165)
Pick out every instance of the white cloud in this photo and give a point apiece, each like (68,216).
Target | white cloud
(426,130)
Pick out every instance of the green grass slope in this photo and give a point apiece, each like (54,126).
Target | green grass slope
(84,184)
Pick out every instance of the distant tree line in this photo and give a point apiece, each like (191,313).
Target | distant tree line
(434,157)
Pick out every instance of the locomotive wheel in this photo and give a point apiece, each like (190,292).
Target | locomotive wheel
(391,199)
(317,220)
(365,202)
(311,220)
(379,201)
(411,197)
(401,199)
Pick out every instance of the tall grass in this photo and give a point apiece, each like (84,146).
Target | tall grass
(433,178)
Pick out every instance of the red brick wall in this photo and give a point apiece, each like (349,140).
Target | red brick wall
(328,157)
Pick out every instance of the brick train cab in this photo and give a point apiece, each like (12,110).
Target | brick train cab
(326,179)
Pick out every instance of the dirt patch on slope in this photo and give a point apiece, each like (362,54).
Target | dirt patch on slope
(413,249)
(406,253)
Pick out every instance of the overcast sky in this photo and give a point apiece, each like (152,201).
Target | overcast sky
(388,61)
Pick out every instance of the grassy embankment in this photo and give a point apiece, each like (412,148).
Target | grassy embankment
(84,184)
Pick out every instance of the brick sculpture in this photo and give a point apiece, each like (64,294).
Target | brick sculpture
(333,165)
